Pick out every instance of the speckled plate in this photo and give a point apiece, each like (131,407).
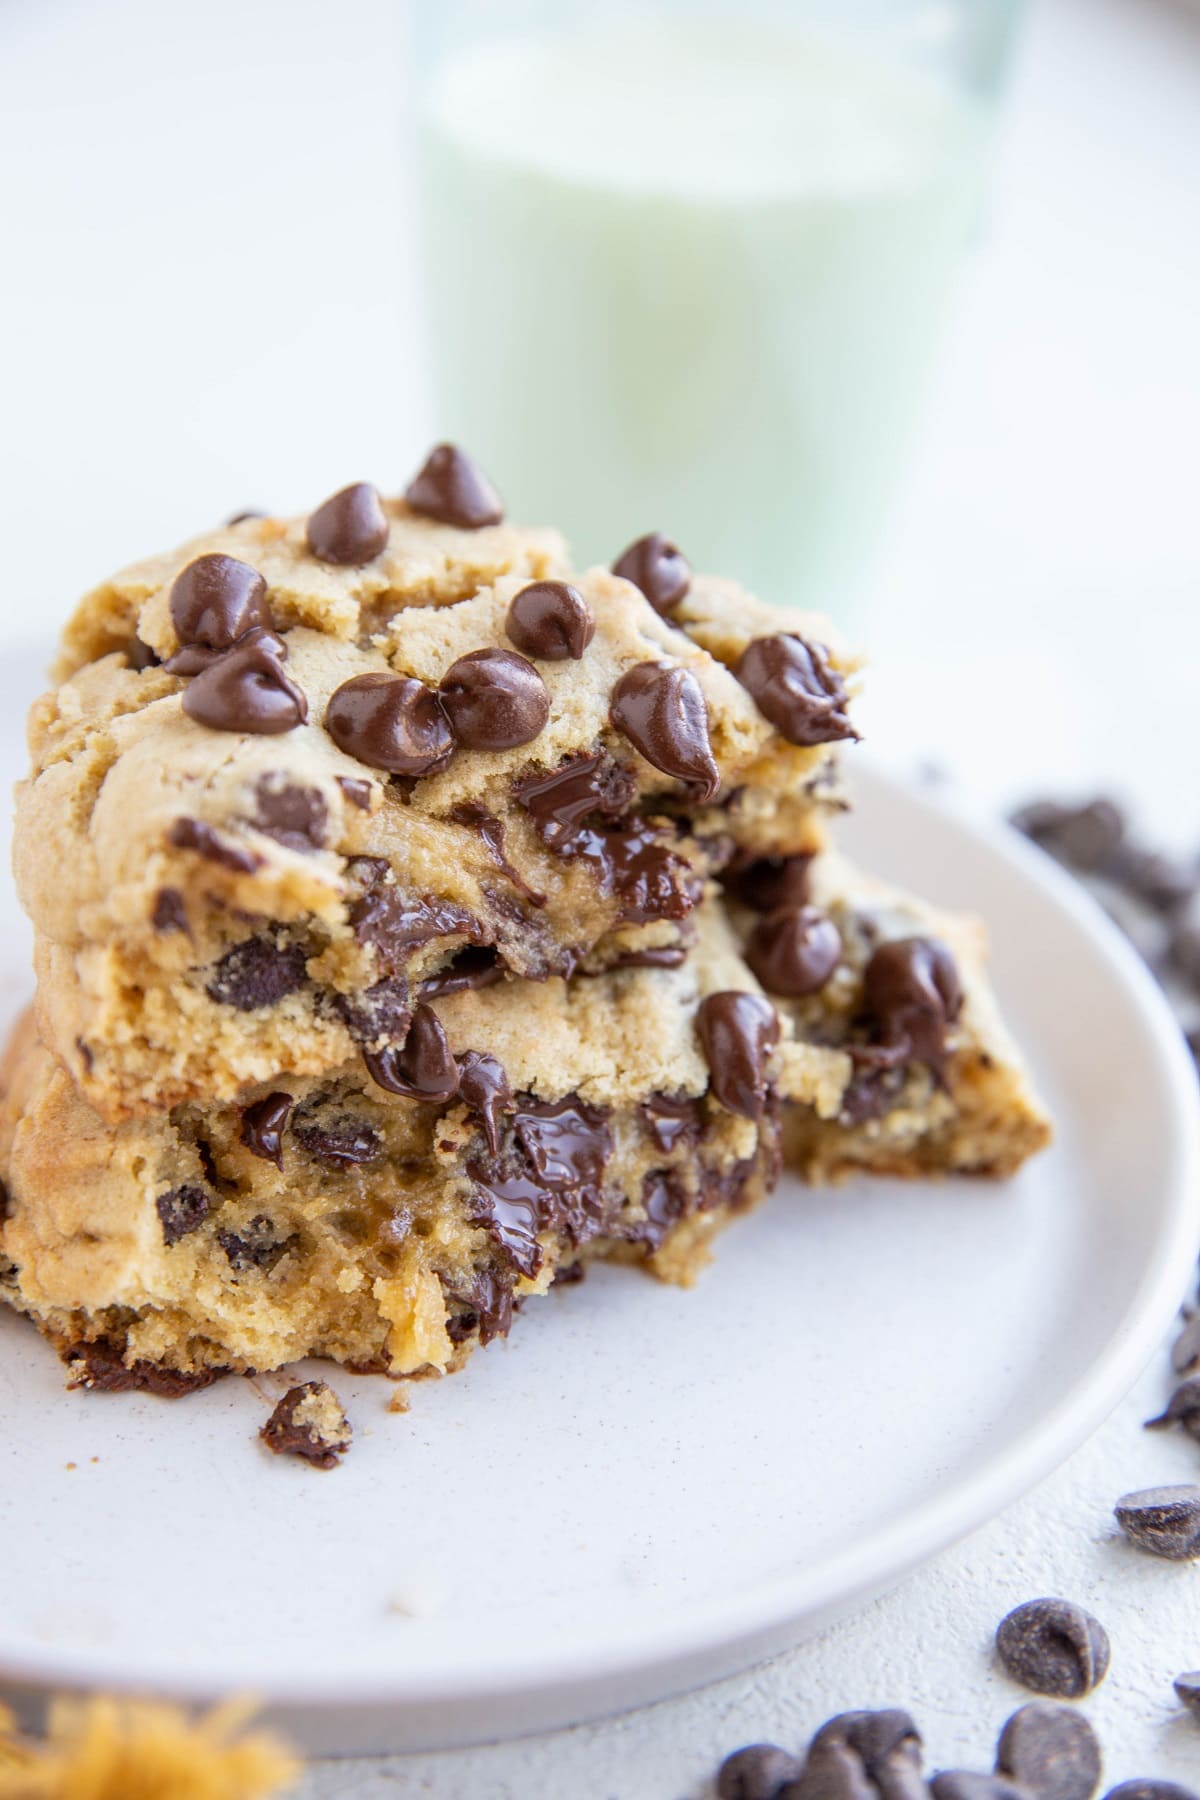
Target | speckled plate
(644,1489)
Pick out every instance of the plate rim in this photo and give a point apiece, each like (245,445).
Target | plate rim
(776,1610)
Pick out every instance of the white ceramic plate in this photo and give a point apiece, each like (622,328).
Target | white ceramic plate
(644,1489)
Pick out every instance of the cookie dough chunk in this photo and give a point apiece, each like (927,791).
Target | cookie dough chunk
(300,777)
(627,1116)
(893,1022)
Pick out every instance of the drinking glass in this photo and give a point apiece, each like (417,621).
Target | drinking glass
(687,262)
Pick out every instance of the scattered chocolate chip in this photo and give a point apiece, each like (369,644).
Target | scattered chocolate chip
(768,883)
(294,816)
(140,656)
(1088,836)
(474,966)
(662,711)
(246,689)
(1162,1520)
(491,833)
(263,1125)
(494,700)
(454,490)
(350,528)
(181,1211)
(1054,1647)
(390,722)
(1187,1687)
(340,1139)
(422,1068)
(794,952)
(170,912)
(962,1784)
(567,1141)
(757,1772)
(550,620)
(796,689)
(102,1367)
(560,802)
(738,1032)
(256,1246)
(1050,1750)
(397,923)
(358,793)
(672,1120)
(863,1756)
(1185,1357)
(309,1422)
(1150,1788)
(659,568)
(257,972)
(483,1086)
(194,834)
(1183,1408)
(911,995)
(216,600)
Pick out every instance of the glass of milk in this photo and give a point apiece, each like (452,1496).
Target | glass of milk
(687,263)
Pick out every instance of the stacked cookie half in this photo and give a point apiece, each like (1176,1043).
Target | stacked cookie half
(418,917)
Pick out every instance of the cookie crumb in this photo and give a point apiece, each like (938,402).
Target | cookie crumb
(310,1422)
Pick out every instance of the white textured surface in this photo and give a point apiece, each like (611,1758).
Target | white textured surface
(1038,618)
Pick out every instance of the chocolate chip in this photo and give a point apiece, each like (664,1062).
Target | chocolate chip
(487,1306)
(483,1086)
(1054,1647)
(654,956)
(659,568)
(294,816)
(794,952)
(239,518)
(1183,1408)
(1050,1750)
(170,913)
(474,966)
(378,1015)
(216,600)
(263,1126)
(350,528)
(181,1211)
(673,1121)
(550,620)
(1150,1788)
(396,923)
(390,722)
(194,659)
(1185,1357)
(194,834)
(140,656)
(246,689)
(662,711)
(796,689)
(256,1246)
(321,1441)
(560,801)
(342,1139)
(1163,882)
(757,1772)
(769,883)
(358,793)
(257,972)
(422,1068)
(509,1207)
(1187,1687)
(648,879)
(494,700)
(863,1756)
(911,995)
(1088,836)
(737,1034)
(963,1784)
(454,490)
(1162,1520)
(102,1367)
(567,1141)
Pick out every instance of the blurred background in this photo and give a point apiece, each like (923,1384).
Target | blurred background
(888,306)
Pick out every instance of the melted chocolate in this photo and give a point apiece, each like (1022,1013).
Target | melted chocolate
(396,923)
(358,793)
(194,834)
(378,1015)
(483,1086)
(559,803)
(420,1069)
(263,1125)
(491,832)
(911,996)
(673,1120)
(474,966)
(796,689)
(567,1142)
(340,1138)
(662,711)
(487,1307)
(101,1367)
(286,1436)
(738,1032)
